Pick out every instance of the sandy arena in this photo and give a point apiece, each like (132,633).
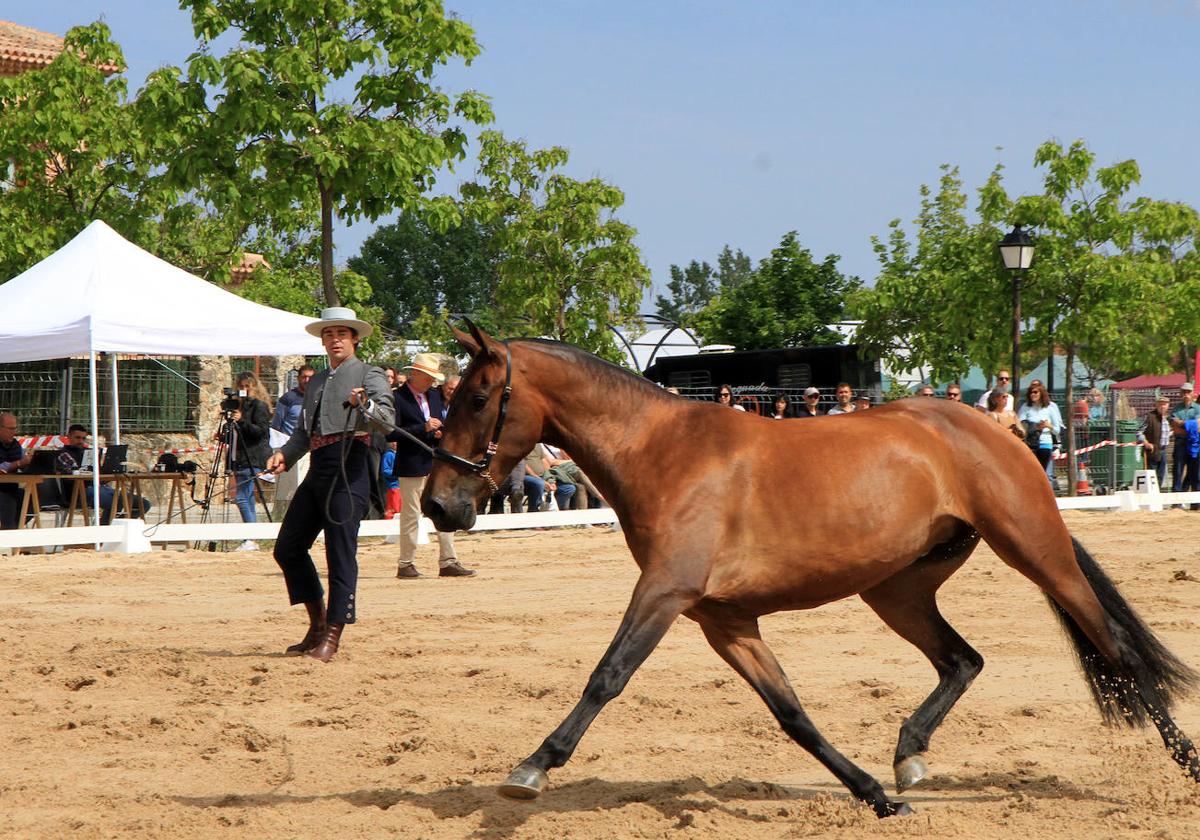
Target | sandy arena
(146,696)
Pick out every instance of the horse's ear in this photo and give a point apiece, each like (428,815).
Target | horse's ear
(475,342)
(468,342)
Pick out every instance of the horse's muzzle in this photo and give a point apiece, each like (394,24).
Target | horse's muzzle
(452,514)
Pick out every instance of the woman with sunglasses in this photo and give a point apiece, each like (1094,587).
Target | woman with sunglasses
(1002,385)
(1042,422)
(725,398)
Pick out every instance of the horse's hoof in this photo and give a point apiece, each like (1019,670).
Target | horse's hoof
(525,782)
(910,771)
(903,809)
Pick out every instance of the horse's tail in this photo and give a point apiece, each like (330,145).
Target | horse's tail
(1147,675)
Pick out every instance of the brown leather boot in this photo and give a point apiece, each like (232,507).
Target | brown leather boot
(316,626)
(327,644)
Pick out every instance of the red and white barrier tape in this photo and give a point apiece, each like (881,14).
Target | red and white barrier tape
(188,451)
(42,442)
(1061,456)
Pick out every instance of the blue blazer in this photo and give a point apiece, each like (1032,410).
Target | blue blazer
(411,460)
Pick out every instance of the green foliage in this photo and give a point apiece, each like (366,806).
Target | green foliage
(298,289)
(568,266)
(78,150)
(733,268)
(693,287)
(415,268)
(690,289)
(788,302)
(1114,275)
(943,302)
(265,118)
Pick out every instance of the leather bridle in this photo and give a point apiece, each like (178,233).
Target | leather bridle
(480,467)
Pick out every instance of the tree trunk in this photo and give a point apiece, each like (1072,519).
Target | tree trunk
(331,295)
(1072,460)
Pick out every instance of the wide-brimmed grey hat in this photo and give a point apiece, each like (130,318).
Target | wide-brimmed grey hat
(339,316)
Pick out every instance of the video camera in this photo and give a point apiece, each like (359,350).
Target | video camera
(233,399)
(169,462)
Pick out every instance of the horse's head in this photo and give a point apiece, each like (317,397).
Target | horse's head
(453,489)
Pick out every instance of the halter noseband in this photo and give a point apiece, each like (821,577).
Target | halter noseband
(480,467)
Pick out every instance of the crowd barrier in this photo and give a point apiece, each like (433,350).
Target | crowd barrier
(132,536)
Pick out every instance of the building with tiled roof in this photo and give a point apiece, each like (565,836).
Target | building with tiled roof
(22,48)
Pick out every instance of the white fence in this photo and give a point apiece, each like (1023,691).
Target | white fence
(132,535)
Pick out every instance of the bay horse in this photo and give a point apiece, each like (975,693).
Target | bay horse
(726,527)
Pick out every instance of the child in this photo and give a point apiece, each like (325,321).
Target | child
(392,484)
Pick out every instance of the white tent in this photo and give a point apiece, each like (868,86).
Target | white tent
(101,293)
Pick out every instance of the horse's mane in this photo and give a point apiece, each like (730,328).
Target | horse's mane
(605,373)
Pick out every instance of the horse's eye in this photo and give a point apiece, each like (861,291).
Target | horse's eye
(479,400)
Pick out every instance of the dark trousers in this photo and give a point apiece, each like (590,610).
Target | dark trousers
(10,507)
(308,515)
(1160,470)
(1179,461)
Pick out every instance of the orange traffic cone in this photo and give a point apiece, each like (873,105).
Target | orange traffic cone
(1081,482)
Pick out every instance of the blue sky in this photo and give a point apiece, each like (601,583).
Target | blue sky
(737,122)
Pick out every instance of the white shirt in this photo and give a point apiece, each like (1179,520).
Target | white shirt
(983,401)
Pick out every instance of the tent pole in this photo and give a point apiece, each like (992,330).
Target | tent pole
(116,415)
(95,441)
(64,402)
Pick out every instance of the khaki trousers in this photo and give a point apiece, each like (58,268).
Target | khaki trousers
(410,514)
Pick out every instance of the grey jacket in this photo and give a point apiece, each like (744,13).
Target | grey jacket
(330,388)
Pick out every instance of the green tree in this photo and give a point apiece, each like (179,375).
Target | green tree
(689,289)
(941,303)
(1107,267)
(77,150)
(270,118)
(733,268)
(789,301)
(569,267)
(413,266)
(297,288)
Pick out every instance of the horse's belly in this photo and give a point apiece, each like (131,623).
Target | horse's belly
(798,584)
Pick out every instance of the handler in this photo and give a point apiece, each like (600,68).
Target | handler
(333,496)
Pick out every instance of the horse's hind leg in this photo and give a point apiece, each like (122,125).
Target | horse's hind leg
(738,642)
(907,603)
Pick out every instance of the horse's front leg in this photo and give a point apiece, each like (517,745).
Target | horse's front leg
(652,610)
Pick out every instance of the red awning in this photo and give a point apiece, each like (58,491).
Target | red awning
(1170,380)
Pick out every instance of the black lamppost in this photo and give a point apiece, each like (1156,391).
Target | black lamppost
(1017,251)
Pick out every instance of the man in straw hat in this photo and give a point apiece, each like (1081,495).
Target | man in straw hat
(419,412)
(333,496)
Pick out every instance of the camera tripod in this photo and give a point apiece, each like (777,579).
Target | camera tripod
(229,445)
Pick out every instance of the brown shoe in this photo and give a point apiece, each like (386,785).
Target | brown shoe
(407,570)
(327,646)
(455,569)
(316,626)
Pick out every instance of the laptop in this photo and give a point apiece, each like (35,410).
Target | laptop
(44,462)
(114,459)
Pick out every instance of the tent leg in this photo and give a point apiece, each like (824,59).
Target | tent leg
(116,395)
(95,440)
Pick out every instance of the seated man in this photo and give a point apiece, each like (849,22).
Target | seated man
(566,471)
(539,479)
(512,488)
(71,458)
(12,459)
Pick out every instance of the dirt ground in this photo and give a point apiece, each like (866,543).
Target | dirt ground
(147,696)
